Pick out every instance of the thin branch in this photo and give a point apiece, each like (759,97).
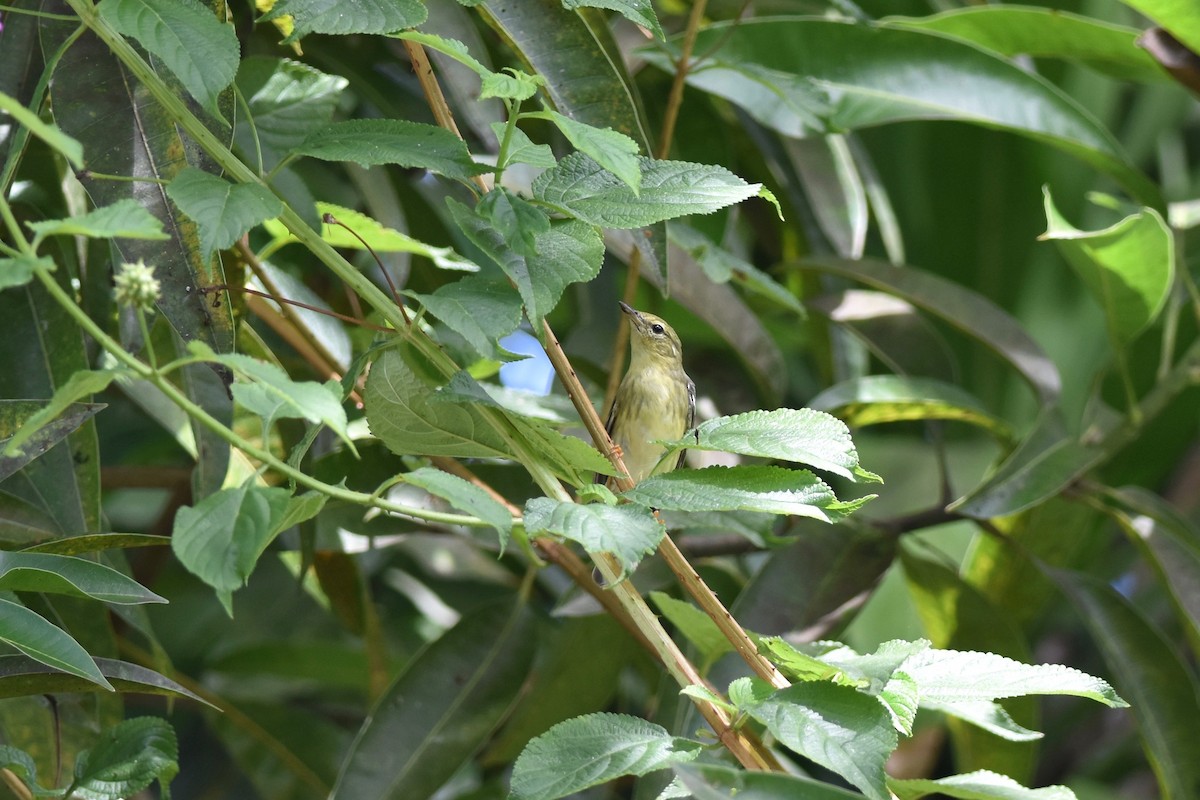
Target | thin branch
(682,67)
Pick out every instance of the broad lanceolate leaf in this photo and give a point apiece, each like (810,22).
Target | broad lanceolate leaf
(1162,690)
(81,384)
(1129,267)
(348,16)
(441,708)
(877,399)
(774,490)
(1044,33)
(43,572)
(1170,541)
(14,413)
(787,434)
(271,394)
(792,73)
(465,496)
(582,188)
(220,539)
(21,676)
(593,749)
(627,532)
(980,785)
(125,219)
(201,50)
(639,12)
(567,252)
(369,142)
(128,758)
(838,727)
(710,781)
(972,313)
(222,210)
(46,643)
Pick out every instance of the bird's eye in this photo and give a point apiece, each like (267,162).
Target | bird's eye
(657,329)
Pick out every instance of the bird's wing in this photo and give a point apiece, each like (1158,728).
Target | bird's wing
(691,419)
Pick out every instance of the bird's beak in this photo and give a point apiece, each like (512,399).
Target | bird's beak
(631,311)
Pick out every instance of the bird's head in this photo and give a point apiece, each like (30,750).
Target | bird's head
(652,338)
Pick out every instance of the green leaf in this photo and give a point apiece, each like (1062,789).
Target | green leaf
(481,309)
(21,764)
(21,676)
(14,414)
(1045,462)
(968,311)
(129,757)
(586,80)
(719,782)
(46,643)
(222,210)
(1161,688)
(569,252)
(798,435)
(43,572)
(220,539)
(522,150)
(839,728)
(518,221)
(1180,17)
(60,142)
(696,626)
(582,188)
(201,50)
(877,399)
(1169,541)
(612,150)
(81,384)
(96,542)
(348,16)
(627,532)
(511,85)
(287,100)
(370,142)
(593,749)
(125,219)
(380,238)
(1129,267)
(639,12)
(951,676)
(722,266)
(1044,33)
(799,665)
(979,785)
(792,74)
(403,412)
(774,490)
(441,708)
(20,270)
(465,496)
(268,391)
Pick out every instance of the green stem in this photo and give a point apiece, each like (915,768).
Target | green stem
(141,315)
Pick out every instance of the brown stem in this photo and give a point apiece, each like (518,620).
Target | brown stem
(621,343)
(330,219)
(675,98)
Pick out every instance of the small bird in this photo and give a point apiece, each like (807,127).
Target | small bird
(656,399)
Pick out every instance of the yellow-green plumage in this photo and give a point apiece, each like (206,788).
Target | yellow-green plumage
(656,399)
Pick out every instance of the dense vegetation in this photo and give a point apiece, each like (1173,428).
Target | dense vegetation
(285,511)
